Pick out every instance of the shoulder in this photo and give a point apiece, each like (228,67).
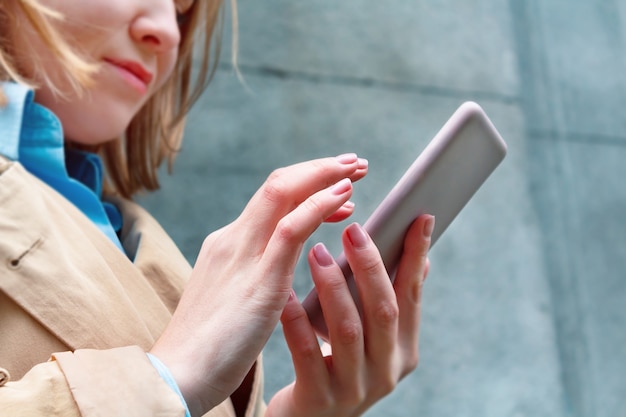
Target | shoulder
(153,251)
(139,225)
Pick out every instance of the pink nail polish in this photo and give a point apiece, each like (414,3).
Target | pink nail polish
(322,256)
(357,236)
(429,226)
(341,187)
(349,205)
(347,158)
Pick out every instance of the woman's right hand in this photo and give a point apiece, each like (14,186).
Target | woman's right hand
(243,277)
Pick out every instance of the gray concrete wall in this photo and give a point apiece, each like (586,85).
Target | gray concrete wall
(524,307)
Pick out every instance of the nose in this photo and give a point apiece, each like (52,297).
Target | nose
(156,27)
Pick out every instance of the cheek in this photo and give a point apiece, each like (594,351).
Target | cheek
(166,65)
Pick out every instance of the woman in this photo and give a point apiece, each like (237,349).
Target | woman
(91,275)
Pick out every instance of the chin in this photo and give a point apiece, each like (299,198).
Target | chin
(95,120)
(94,136)
(96,126)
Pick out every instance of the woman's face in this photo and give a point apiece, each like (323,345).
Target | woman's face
(134,43)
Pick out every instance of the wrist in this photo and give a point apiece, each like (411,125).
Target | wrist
(194,386)
(167,376)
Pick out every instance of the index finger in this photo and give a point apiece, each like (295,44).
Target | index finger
(286,188)
(410,277)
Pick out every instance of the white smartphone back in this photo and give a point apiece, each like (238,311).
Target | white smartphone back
(441,181)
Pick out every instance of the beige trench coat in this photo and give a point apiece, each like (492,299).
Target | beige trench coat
(64,287)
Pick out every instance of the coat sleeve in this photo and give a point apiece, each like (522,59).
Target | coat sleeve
(43,391)
(87,383)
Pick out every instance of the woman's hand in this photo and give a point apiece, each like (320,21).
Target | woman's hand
(243,276)
(369,355)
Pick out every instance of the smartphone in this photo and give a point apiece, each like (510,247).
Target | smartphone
(441,181)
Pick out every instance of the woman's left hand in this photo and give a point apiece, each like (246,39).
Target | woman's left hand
(370,355)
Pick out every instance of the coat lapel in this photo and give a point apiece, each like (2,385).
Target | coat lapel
(54,256)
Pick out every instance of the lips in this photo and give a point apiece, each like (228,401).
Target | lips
(134,69)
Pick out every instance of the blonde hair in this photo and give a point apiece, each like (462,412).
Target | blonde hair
(155,133)
(77,71)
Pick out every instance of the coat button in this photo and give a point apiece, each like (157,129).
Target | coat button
(4,376)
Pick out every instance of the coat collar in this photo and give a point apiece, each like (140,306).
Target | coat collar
(33,135)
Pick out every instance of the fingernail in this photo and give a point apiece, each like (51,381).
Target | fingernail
(429,226)
(348,204)
(362,163)
(292,295)
(341,187)
(357,236)
(347,158)
(322,256)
